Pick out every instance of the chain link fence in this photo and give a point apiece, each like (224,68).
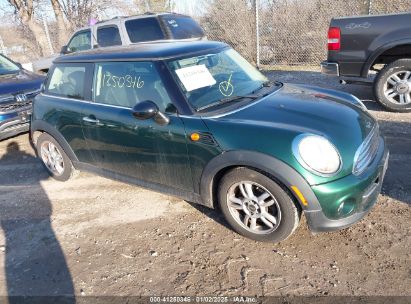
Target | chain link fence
(267,32)
(284,32)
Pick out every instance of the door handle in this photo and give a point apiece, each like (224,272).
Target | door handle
(91,120)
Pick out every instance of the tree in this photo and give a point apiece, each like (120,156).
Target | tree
(78,12)
(61,24)
(24,9)
(232,21)
(154,5)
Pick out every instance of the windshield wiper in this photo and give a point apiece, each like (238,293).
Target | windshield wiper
(270,83)
(227,100)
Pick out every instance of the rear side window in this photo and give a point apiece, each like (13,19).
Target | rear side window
(67,81)
(144,29)
(108,36)
(127,83)
(80,42)
(182,27)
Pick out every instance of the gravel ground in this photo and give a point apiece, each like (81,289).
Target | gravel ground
(94,236)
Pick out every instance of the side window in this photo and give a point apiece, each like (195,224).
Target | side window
(144,29)
(67,80)
(127,83)
(108,36)
(80,42)
(182,27)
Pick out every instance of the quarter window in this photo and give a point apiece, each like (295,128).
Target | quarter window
(80,42)
(67,81)
(144,29)
(108,36)
(127,83)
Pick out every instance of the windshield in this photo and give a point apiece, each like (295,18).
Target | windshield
(7,67)
(210,78)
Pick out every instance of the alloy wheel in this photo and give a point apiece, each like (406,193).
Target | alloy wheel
(52,158)
(254,207)
(397,88)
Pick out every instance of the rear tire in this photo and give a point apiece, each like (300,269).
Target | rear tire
(392,87)
(54,159)
(256,206)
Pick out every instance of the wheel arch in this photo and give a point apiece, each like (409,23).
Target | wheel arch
(391,52)
(39,126)
(266,164)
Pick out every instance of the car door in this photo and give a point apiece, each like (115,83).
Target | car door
(122,144)
(66,92)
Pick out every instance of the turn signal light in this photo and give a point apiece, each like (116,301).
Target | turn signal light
(195,136)
(299,195)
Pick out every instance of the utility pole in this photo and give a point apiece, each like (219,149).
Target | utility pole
(257,33)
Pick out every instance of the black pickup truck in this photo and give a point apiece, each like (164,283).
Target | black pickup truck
(359,47)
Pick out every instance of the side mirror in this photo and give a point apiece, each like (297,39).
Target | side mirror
(148,109)
(65,50)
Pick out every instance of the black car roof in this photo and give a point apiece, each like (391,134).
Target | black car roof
(143,51)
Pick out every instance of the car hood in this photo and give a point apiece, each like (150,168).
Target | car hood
(270,124)
(20,82)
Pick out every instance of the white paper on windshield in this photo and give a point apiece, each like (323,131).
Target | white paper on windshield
(195,77)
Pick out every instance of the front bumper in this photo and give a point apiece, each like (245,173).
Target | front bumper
(364,190)
(330,68)
(12,124)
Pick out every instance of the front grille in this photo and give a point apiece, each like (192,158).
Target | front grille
(9,103)
(366,152)
(13,106)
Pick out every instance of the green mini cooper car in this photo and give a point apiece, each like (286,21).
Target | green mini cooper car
(196,120)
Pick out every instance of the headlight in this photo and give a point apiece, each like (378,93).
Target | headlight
(359,103)
(317,154)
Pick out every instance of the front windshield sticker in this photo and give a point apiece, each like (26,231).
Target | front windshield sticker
(226,88)
(195,77)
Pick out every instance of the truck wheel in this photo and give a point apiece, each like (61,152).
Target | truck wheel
(392,86)
(54,158)
(257,207)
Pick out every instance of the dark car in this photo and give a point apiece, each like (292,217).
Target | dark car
(18,87)
(362,45)
(197,121)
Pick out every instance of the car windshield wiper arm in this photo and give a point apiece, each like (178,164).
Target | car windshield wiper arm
(227,100)
(270,83)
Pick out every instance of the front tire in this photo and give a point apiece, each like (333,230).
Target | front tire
(392,86)
(54,159)
(257,207)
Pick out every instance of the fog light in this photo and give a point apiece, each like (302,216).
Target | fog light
(346,207)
